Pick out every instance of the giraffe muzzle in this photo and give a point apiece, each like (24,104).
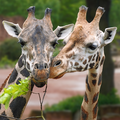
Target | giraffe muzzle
(40,77)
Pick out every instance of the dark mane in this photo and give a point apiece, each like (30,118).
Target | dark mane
(2,86)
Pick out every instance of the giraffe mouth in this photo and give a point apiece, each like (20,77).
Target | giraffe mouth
(39,83)
(39,77)
(59,76)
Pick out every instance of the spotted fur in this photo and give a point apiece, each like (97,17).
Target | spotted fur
(95,110)
(103,58)
(95,97)
(13,76)
(79,69)
(84,114)
(86,98)
(100,80)
(91,65)
(94,82)
(97,57)
(94,75)
(88,86)
(89,58)
(86,67)
(2,117)
(14,106)
(85,61)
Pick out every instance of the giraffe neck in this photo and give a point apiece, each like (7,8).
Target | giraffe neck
(16,106)
(89,105)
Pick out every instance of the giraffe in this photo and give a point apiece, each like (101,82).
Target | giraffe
(38,41)
(84,50)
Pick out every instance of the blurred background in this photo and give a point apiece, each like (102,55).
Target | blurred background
(64,12)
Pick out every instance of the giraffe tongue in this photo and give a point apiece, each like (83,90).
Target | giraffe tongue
(59,76)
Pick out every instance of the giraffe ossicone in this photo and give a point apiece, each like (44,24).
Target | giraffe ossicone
(84,50)
(38,41)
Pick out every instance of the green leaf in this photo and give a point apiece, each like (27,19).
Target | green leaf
(14,91)
(7,102)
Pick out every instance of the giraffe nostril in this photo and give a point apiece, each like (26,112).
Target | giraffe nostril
(57,63)
(46,66)
(41,66)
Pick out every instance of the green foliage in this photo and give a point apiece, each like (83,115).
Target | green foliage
(64,11)
(69,10)
(110,98)
(5,62)
(114,14)
(19,8)
(58,48)
(10,48)
(14,90)
(73,104)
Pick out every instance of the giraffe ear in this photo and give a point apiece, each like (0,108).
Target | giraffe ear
(63,31)
(11,28)
(65,41)
(109,35)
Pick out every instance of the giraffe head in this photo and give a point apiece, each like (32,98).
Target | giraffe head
(38,41)
(85,45)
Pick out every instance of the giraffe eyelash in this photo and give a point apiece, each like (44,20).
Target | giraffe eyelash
(92,46)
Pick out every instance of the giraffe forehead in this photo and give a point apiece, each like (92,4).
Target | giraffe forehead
(85,32)
(37,27)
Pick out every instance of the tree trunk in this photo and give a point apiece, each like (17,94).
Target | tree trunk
(108,69)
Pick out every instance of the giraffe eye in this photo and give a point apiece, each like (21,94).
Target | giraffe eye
(92,46)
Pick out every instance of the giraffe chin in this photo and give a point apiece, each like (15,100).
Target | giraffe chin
(39,83)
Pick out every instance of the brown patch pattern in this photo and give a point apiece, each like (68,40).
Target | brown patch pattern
(95,97)
(103,58)
(97,56)
(88,86)
(84,114)
(97,65)
(91,65)
(76,63)
(100,80)
(94,75)
(94,82)
(86,67)
(95,110)
(86,98)
(85,61)
(79,69)
(89,58)
(93,57)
